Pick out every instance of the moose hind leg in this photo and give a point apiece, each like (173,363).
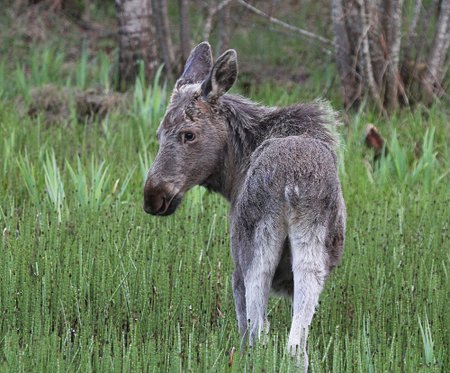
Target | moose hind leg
(267,247)
(239,301)
(309,267)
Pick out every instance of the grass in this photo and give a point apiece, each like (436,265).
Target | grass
(91,283)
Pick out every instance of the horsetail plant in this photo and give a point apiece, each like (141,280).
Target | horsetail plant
(111,290)
(8,150)
(2,79)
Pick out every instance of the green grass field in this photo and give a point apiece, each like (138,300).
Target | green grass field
(88,282)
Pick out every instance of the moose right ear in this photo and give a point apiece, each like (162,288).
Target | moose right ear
(198,65)
(222,76)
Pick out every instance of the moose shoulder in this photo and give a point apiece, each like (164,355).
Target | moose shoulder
(278,169)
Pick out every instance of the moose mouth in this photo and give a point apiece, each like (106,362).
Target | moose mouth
(168,206)
(171,206)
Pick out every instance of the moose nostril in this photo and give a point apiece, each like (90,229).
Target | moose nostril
(154,204)
(147,208)
(162,207)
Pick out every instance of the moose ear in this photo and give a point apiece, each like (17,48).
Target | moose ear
(222,76)
(198,65)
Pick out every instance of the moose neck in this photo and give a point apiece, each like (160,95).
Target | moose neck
(244,121)
(248,124)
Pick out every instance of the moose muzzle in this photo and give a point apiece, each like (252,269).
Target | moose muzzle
(160,199)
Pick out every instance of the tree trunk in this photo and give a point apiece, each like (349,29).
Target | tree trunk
(136,41)
(394,39)
(366,58)
(161,20)
(433,75)
(211,14)
(185,30)
(368,37)
(376,34)
(351,85)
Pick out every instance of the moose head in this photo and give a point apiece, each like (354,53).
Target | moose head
(192,134)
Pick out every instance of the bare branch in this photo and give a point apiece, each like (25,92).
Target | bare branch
(211,14)
(412,27)
(278,22)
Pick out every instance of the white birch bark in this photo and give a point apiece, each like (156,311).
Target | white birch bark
(436,59)
(136,40)
(394,42)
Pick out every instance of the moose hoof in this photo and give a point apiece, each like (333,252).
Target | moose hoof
(300,355)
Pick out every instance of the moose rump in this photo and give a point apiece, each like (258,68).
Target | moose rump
(287,228)
(278,169)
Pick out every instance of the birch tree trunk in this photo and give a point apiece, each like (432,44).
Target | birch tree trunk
(393,42)
(137,43)
(161,20)
(377,23)
(367,60)
(350,82)
(436,59)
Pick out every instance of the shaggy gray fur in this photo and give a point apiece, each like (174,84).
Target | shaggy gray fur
(278,169)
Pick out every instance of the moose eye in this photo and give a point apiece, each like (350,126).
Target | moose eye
(188,136)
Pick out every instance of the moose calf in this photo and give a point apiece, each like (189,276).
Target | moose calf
(278,169)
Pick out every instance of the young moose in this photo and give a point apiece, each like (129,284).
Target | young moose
(278,169)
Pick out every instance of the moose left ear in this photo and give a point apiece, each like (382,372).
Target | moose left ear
(198,65)
(222,76)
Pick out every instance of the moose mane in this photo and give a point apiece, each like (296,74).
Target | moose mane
(251,123)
